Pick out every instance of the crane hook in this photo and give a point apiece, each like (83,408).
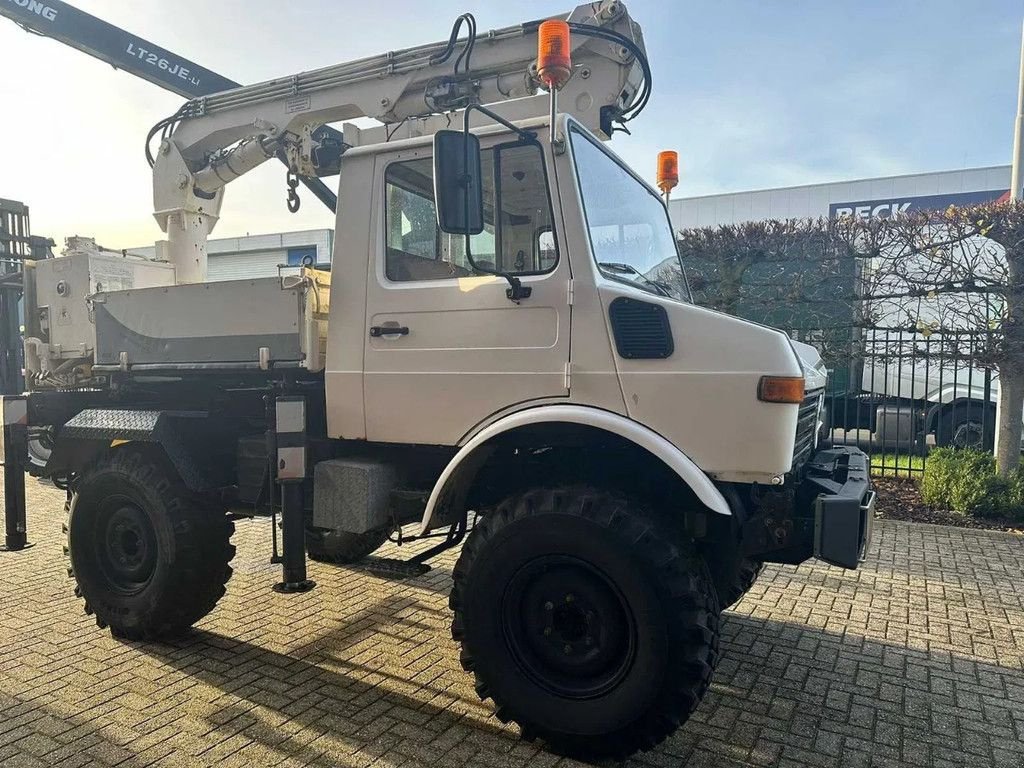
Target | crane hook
(294,202)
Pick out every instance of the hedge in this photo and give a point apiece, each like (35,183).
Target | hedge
(965,481)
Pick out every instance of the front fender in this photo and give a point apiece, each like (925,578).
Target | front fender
(453,483)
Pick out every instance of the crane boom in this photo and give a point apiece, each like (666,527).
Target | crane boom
(397,86)
(117,47)
(126,51)
(212,140)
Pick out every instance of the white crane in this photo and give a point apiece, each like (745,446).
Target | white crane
(214,139)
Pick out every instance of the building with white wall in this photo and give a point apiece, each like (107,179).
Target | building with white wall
(261,255)
(863,197)
(235,258)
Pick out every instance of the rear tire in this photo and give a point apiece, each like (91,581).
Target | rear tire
(39,448)
(967,425)
(341,548)
(584,621)
(149,557)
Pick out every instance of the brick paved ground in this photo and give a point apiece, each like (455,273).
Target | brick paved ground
(917,659)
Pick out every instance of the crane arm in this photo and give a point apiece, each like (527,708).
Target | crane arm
(398,86)
(215,139)
(117,47)
(126,51)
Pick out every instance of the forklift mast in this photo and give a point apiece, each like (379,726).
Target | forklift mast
(17,245)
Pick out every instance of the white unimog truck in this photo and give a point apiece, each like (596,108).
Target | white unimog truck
(505,337)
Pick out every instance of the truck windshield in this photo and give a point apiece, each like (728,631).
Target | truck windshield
(630,232)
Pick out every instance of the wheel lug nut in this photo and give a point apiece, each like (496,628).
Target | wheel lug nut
(549,606)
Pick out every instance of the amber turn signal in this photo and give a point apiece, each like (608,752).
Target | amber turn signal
(668,170)
(554,64)
(781,389)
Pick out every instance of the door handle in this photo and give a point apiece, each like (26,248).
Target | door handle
(377,331)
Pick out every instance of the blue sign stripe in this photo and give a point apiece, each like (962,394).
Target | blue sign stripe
(885,207)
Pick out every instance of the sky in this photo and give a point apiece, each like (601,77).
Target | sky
(752,94)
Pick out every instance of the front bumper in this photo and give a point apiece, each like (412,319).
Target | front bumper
(837,485)
(827,512)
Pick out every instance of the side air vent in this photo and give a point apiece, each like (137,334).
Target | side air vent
(642,330)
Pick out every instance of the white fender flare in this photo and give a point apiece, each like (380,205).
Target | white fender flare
(638,434)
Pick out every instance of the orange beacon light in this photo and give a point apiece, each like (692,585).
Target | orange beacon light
(668,170)
(554,64)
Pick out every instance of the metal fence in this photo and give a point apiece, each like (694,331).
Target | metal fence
(896,393)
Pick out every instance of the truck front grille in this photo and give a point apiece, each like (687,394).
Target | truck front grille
(806,428)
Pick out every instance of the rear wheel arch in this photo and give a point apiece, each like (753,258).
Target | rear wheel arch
(197,451)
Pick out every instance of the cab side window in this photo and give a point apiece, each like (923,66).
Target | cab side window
(413,241)
(518,236)
(522,209)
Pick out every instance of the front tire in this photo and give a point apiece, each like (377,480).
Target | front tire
(149,558)
(733,575)
(584,621)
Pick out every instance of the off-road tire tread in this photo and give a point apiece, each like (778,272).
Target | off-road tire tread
(203,549)
(747,573)
(681,575)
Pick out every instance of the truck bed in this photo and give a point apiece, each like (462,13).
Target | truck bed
(237,324)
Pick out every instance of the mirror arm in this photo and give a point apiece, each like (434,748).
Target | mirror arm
(524,135)
(516,291)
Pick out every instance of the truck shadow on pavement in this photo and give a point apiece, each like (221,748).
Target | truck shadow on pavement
(324,710)
(783,692)
(35,734)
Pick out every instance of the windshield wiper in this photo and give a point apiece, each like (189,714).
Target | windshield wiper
(619,266)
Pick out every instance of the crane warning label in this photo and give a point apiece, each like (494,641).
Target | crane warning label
(111,277)
(297,104)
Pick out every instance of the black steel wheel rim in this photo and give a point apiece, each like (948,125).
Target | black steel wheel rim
(968,434)
(568,627)
(126,547)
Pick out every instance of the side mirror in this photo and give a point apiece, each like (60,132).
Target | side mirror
(458,183)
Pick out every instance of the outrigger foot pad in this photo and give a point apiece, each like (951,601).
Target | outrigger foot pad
(294,587)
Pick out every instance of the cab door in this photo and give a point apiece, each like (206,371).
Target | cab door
(445,346)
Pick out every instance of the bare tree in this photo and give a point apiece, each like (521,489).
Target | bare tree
(802,275)
(952,279)
(960,274)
